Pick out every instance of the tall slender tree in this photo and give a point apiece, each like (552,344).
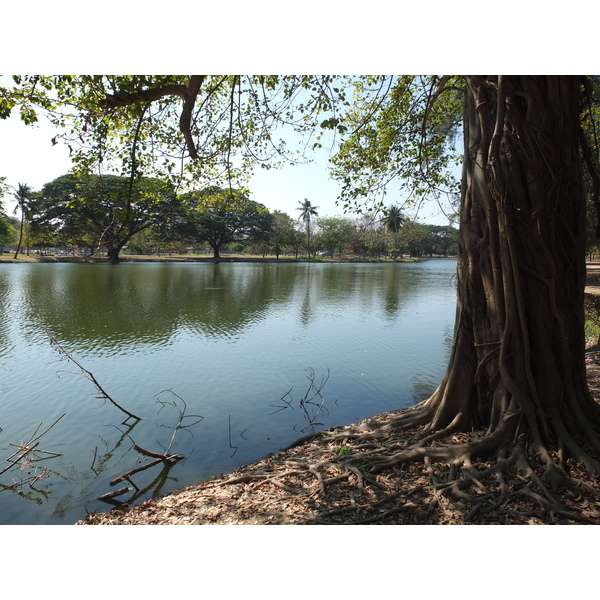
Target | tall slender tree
(393,220)
(22,195)
(307,212)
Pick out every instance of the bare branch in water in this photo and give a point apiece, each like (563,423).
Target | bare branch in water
(313,401)
(181,412)
(110,495)
(103,394)
(23,458)
(230,444)
(166,457)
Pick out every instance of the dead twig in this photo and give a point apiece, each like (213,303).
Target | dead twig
(29,446)
(313,401)
(164,459)
(103,394)
(182,415)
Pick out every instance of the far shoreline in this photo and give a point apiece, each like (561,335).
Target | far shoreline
(141,258)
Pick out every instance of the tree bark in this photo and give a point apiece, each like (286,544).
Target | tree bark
(517,362)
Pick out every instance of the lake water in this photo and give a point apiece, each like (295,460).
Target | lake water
(213,347)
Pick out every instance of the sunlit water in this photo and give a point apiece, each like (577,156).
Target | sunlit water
(215,346)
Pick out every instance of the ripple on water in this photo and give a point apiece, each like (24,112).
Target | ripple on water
(230,353)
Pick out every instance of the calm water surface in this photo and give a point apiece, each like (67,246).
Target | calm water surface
(220,345)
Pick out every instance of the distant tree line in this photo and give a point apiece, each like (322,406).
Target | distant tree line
(107,214)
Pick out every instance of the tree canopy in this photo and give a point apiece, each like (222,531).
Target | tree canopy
(102,211)
(221,216)
(212,129)
(516,378)
(334,234)
(404,129)
(283,232)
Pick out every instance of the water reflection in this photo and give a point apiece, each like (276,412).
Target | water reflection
(119,310)
(232,341)
(140,307)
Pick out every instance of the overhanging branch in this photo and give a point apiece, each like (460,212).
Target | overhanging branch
(188,93)
(185,121)
(121,99)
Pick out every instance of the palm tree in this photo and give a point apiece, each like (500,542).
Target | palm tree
(22,195)
(393,221)
(308,211)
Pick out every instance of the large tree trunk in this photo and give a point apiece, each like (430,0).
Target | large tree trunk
(517,365)
(113,252)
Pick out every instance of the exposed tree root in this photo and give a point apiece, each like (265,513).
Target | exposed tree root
(479,474)
(396,481)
